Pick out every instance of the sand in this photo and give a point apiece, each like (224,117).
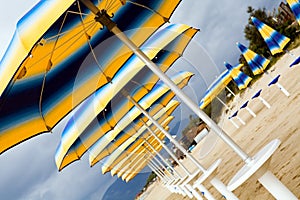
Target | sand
(281,121)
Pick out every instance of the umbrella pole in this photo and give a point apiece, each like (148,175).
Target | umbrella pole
(162,158)
(264,102)
(158,174)
(281,88)
(191,189)
(159,170)
(173,189)
(167,149)
(160,163)
(103,18)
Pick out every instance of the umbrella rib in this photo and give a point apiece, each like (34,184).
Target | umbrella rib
(48,69)
(45,75)
(91,48)
(62,33)
(111,3)
(57,47)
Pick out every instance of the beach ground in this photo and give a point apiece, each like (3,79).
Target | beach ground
(281,121)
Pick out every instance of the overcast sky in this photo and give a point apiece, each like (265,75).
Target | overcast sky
(28,170)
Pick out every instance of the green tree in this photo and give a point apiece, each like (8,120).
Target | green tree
(256,42)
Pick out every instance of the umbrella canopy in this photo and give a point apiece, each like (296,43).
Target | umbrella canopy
(160,117)
(58,57)
(274,40)
(222,81)
(257,94)
(91,134)
(295,62)
(240,78)
(133,152)
(129,134)
(295,7)
(274,80)
(256,62)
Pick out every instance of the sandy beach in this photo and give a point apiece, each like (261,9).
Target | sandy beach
(281,121)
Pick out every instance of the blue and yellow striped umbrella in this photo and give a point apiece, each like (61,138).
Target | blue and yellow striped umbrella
(274,40)
(256,62)
(239,77)
(295,7)
(59,56)
(232,73)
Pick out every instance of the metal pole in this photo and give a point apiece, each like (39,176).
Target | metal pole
(162,158)
(159,162)
(167,149)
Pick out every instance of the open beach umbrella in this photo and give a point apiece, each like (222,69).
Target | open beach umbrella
(171,51)
(91,134)
(64,28)
(52,45)
(131,132)
(256,62)
(222,81)
(295,7)
(274,40)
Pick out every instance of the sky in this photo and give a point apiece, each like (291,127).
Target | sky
(28,170)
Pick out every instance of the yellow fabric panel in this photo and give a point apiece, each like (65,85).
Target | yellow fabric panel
(12,136)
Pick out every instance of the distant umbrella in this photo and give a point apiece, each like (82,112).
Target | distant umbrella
(241,79)
(274,40)
(256,62)
(295,7)
(258,95)
(295,62)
